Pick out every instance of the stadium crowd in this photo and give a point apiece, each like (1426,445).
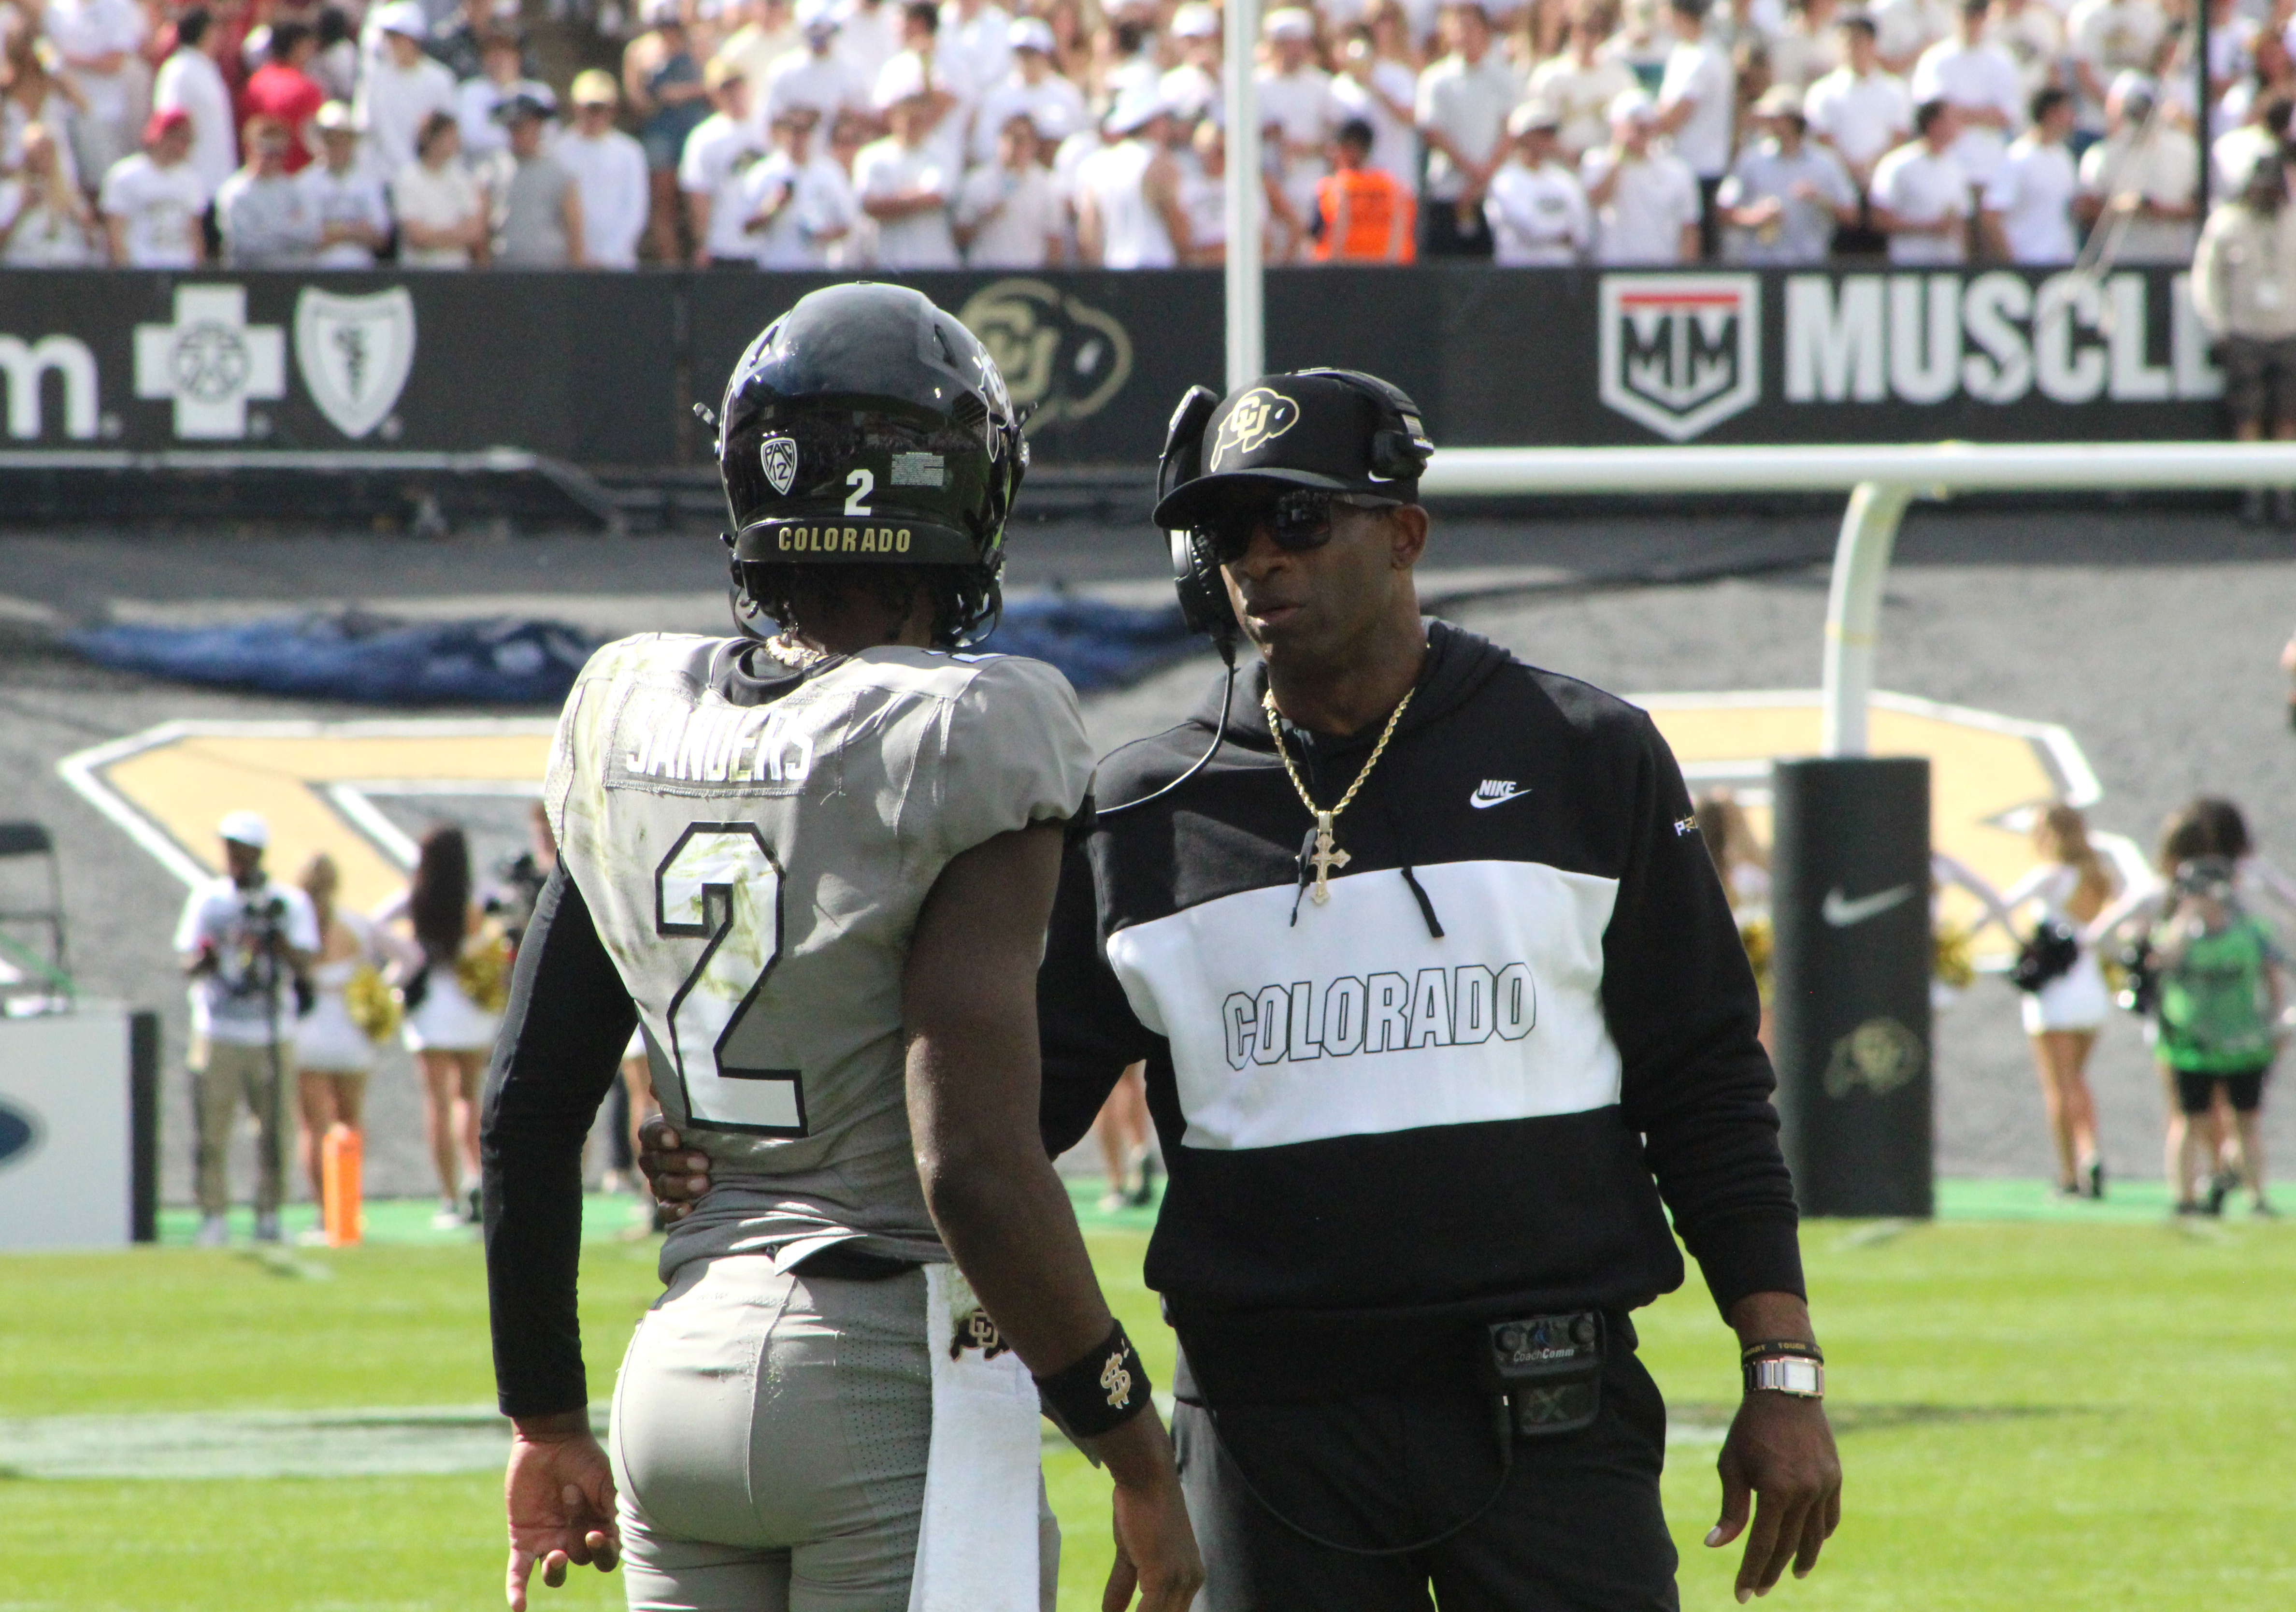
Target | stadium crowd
(909,134)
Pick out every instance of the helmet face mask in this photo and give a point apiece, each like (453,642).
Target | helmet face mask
(867,427)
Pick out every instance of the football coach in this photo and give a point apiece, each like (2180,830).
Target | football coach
(1443,1008)
(1443,1012)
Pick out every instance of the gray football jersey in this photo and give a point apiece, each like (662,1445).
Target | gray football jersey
(755,872)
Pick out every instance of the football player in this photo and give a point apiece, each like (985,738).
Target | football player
(814,864)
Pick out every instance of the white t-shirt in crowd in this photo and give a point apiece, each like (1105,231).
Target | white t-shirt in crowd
(1904,29)
(1861,118)
(2162,167)
(826,84)
(190,80)
(2113,36)
(819,209)
(921,239)
(1028,215)
(436,198)
(1054,105)
(1395,141)
(1655,197)
(610,175)
(354,196)
(393,104)
(2033,36)
(1301,105)
(97,28)
(1802,54)
(977,50)
(2033,191)
(1538,215)
(161,207)
(1922,186)
(1133,233)
(1972,76)
(716,153)
(1581,97)
(38,235)
(1803,231)
(231,1004)
(869,38)
(1468,106)
(1698,72)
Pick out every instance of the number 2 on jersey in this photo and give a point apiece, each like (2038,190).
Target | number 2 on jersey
(720,884)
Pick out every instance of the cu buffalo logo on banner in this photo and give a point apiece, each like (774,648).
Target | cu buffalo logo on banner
(1681,353)
(778,455)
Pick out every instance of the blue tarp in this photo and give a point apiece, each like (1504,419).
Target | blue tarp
(505,660)
(1096,644)
(351,656)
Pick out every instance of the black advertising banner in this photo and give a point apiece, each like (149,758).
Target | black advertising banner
(1849,908)
(1097,357)
(600,368)
(578,367)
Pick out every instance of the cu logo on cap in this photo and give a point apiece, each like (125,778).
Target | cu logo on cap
(1259,415)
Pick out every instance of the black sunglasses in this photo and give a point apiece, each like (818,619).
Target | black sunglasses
(1298,521)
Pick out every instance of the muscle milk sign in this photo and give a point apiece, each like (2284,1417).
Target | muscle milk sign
(1682,353)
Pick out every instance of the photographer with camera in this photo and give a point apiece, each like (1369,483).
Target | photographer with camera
(244,940)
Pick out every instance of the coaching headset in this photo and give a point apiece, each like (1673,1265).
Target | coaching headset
(1305,429)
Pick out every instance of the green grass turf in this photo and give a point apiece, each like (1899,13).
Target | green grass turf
(2033,1414)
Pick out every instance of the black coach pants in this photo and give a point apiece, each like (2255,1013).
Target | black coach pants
(1577,1525)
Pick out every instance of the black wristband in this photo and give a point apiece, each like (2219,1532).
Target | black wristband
(1787,1347)
(1105,1389)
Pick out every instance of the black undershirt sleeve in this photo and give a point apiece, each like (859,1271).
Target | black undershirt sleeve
(1084,1024)
(568,1019)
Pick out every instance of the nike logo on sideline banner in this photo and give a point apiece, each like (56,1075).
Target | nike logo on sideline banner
(1494,792)
(1841,912)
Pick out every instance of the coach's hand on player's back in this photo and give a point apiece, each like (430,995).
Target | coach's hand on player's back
(559,1493)
(676,1176)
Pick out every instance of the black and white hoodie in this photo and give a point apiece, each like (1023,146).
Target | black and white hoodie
(1473,1083)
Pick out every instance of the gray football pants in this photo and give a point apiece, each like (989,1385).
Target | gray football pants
(769,1442)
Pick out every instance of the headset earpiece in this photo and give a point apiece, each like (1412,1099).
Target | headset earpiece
(1195,570)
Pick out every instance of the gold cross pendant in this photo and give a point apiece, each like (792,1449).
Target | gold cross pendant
(1325,857)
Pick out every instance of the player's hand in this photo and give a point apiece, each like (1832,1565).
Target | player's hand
(559,1491)
(1156,1553)
(1779,1460)
(678,1176)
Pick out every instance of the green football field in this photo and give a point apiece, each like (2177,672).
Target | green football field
(2046,1410)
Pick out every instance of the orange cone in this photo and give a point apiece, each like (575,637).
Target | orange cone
(339,1157)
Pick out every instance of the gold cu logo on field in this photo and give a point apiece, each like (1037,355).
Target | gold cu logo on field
(1058,355)
(1259,415)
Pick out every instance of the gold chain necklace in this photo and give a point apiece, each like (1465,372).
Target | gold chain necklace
(1327,855)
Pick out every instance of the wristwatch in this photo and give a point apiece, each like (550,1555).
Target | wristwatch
(1796,1369)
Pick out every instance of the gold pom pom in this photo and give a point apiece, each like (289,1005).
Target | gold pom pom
(372,1006)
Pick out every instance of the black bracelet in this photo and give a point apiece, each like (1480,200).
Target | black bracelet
(1106,1388)
(1799,1349)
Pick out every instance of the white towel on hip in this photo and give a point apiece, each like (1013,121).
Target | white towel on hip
(978,1547)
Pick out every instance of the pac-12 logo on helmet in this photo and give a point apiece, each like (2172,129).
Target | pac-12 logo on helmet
(778,456)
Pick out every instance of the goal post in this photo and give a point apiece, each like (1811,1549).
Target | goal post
(1851,893)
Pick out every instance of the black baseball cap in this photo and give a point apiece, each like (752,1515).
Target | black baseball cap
(1312,429)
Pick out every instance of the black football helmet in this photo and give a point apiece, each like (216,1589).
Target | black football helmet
(866,426)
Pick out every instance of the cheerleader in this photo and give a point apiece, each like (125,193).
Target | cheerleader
(351,1013)
(2071,886)
(1744,864)
(453,980)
